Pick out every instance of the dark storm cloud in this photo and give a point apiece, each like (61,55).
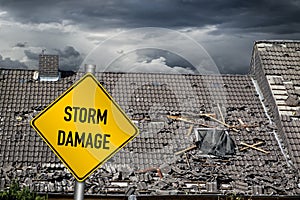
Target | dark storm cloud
(21,44)
(172,60)
(69,58)
(68,52)
(274,16)
(7,63)
(31,55)
(230,26)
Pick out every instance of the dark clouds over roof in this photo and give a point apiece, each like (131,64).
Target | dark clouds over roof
(274,16)
(233,25)
(69,58)
(8,63)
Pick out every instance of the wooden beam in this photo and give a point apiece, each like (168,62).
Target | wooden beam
(253,147)
(256,144)
(223,123)
(190,130)
(188,121)
(221,114)
(185,150)
(243,124)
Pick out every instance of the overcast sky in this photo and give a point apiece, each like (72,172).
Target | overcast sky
(80,31)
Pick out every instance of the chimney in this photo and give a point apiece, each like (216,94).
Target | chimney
(48,67)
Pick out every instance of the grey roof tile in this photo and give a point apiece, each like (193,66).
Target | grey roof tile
(147,99)
(282,58)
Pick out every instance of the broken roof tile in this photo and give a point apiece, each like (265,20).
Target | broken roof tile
(285,58)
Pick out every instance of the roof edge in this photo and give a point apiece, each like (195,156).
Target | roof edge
(61,71)
(276,41)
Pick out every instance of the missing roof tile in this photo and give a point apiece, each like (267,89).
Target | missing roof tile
(292,100)
(286,55)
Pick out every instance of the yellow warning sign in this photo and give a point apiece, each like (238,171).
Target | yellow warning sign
(84,127)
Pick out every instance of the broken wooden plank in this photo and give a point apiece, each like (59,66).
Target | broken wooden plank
(243,124)
(253,147)
(188,121)
(210,114)
(185,150)
(220,122)
(187,160)
(256,144)
(190,130)
(152,169)
(221,114)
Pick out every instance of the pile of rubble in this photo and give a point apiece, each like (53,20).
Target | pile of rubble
(188,173)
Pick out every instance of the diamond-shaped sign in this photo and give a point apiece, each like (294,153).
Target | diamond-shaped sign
(84,127)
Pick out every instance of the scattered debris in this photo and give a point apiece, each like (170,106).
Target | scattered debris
(151,170)
(223,123)
(188,121)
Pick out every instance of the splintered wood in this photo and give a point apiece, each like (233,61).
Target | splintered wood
(190,130)
(221,114)
(188,121)
(247,147)
(220,122)
(185,150)
(152,169)
(247,126)
(253,146)
(243,124)
(213,118)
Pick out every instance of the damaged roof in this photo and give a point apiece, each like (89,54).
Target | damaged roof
(166,158)
(276,66)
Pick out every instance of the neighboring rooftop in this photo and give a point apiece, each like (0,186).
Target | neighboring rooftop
(276,66)
(172,113)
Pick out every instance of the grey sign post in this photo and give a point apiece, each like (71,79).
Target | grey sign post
(79,186)
(79,190)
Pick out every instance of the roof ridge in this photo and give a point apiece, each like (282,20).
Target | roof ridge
(78,72)
(276,41)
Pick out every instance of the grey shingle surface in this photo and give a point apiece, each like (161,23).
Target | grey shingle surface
(148,99)
(280,63)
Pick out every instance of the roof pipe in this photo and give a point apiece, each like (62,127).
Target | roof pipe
(90,68)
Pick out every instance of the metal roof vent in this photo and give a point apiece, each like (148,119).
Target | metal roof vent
(48,67)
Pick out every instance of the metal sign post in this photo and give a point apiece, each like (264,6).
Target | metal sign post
(79,186)
(79,190)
